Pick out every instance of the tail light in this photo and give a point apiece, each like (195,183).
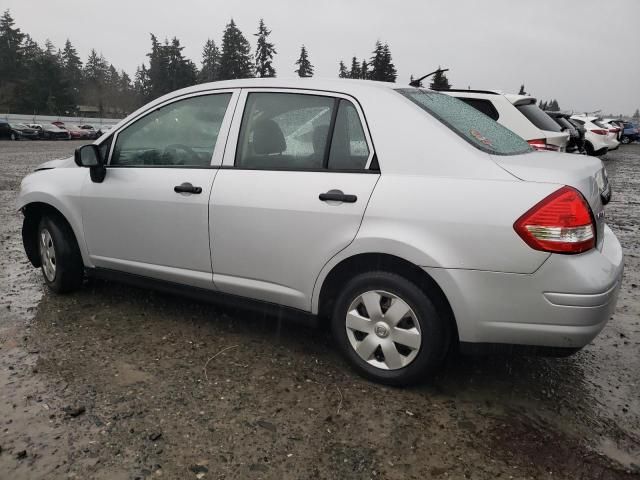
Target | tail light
(560,223)
(541,144)
(599,132)
(614,130)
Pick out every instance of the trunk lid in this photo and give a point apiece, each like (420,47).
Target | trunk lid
(581,172)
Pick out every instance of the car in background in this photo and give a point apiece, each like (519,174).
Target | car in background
(631,133)
(58,123)
(50,131)
(612,134)
(104,129)
(23,131)
(520,114)
(77,133)
(333,179)
(615,124)
(576,135)
(93,133)
(6,132)
(596,137)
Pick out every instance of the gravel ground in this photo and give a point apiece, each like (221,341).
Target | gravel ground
(114,382)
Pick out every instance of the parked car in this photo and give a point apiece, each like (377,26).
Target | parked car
(582,131)
(104,129)
(612,134)
(520,114)
(58,123)
(92,132)
(77,133)
(50,132)
(16,131)
(23,131)
(615,124)
(407,220)
(576,135)
(630,133)
(596,141)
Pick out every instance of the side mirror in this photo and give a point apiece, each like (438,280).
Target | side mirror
(89,156)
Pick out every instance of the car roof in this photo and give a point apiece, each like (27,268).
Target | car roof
(348,86)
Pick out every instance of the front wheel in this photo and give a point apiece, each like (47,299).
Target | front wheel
(389,329)
(625,140)
(60,257)
(14,136)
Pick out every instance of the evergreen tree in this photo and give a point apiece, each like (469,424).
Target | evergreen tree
(181,72)
(440,81)
(355,71)
(235,61)
(364,70)
(553,106)
(522,92)
(264,52)
(411,79)
(305,68)
(210,63)
(342,70)
(72,70)
(158,69)
(636,115)
(382,67)
(142,84)
(10,49)
(390,73)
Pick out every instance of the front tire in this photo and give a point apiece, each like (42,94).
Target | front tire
(389,329)
(60,257)
(14,136)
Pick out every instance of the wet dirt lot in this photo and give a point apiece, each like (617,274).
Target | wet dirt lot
(114,382)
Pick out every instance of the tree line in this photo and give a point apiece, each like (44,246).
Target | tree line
(43,79)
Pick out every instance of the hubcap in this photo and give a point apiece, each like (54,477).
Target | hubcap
(47,255)
(383,330)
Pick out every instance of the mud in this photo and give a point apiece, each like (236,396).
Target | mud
(114,382)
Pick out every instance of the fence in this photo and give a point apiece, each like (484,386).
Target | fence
(22,118)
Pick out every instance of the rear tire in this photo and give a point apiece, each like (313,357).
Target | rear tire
(625,140)
(381,342)
(62,265)
(589,149)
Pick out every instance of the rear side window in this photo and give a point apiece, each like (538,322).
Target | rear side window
(484,106)
(475,127)
(564,123)
(538,117)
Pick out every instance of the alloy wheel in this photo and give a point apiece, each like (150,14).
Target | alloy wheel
(383,330)
(48,255)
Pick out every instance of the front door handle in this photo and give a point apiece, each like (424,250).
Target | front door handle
(337,196)
(187,188)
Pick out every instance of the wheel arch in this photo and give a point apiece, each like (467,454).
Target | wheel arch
(33,213)
(366,262)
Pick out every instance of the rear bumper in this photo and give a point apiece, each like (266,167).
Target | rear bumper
(564,304)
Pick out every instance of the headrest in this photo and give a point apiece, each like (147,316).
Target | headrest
(268,138)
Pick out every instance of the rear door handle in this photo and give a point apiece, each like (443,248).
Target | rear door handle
(337,196)
(187,188)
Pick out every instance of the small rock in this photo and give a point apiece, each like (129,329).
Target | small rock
(256,467)
(266,425)
(74,411)
(155,436)
(198,469)
(21,454)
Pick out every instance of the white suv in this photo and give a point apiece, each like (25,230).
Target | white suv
(596,138)
(407,220)
(520,114)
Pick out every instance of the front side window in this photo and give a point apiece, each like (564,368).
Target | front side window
(470,124)
(183,133)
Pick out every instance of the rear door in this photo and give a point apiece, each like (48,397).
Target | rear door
(296,179)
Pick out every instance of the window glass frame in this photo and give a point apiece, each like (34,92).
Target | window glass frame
(223,134)
(234,133)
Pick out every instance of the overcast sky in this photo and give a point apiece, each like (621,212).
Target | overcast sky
(584,53)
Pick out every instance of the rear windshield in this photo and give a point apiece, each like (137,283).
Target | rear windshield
(538,117)
(564,123)
(475,127)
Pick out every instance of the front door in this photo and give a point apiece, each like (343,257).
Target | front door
(150,215)
(291,194)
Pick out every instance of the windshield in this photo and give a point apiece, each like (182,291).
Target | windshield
(538,117)
(474,126)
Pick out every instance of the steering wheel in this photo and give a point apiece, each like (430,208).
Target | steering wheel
(178,146)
